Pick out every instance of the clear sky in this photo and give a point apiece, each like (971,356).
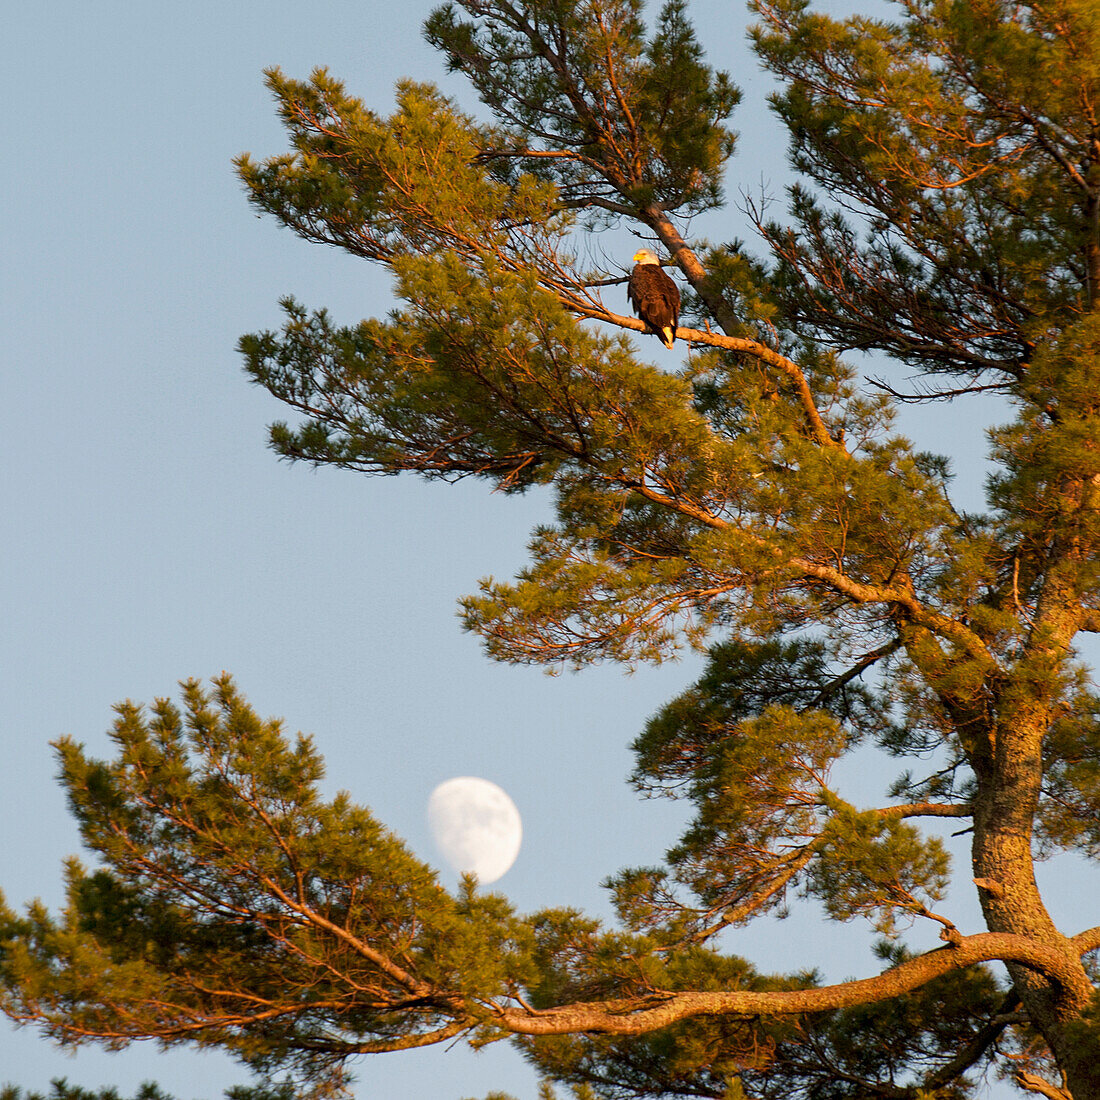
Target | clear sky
(150,536)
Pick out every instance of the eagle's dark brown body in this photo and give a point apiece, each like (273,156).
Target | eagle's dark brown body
(655,297)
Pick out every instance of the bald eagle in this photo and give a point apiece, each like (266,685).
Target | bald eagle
(654,296)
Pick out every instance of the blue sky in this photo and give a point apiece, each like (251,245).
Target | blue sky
(151,536)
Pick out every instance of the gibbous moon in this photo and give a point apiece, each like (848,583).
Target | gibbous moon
(476,826)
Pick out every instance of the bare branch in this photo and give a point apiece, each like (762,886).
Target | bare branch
(929,394)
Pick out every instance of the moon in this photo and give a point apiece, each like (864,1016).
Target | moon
(476,826)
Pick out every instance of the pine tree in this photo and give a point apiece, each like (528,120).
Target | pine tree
(754,502)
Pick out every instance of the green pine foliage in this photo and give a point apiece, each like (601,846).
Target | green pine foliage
(752,500)
(632,119)
(231,906)
(60,1089)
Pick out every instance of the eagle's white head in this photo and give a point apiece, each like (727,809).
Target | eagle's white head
(644,256)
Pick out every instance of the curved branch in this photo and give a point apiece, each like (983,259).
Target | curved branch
(644,1014)
(902,599)
(1087,941)
(759,351)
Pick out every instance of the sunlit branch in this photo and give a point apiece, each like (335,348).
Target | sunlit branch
(1090,622)
(761,352)
(1032,1082)
(927,809)
(643,1014)
(792,865)
(1087,941)
(901,598)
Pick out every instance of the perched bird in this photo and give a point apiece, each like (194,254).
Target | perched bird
(654,296)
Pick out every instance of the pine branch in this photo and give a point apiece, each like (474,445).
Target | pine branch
(643,1014)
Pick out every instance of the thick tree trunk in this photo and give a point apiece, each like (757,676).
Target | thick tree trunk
(1004,813)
